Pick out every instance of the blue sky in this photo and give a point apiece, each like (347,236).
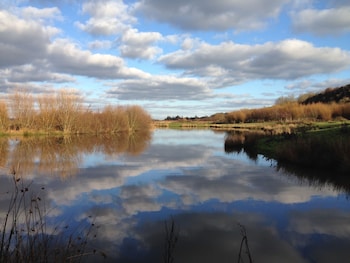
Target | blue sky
(187,58)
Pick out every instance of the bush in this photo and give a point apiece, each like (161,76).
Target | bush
(65,112)
(4,120)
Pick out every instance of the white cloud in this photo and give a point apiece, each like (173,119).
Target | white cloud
(33,73)
(289,59)
(21,41)
(100,44)
(107,17)
(316,86)
(28,53)
(212,15)
(140,44)
(67,57)
(133,37)
(333,21)
(44,14)
(161,88)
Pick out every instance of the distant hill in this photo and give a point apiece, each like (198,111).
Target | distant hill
(338,95)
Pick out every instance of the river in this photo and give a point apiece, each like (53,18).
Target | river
(177,196)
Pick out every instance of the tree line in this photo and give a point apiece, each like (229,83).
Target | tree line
(291,111)
(64,111)
(332,103)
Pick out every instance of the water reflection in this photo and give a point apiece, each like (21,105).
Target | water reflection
(188,176)
(237,142)
(64,155)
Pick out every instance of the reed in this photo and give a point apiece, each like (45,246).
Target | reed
(25,234)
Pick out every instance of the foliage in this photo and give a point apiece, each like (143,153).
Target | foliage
(291,112)
(327,147)
(330,95)
(64,111)
(333,103)
(4,121)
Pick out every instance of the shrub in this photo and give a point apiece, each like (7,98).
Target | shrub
(4,119)
(138,119)
(64,111)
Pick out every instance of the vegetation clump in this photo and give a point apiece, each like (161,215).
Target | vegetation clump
(333,103)
(325,145)
(64,112)
(330,104)
(313,147)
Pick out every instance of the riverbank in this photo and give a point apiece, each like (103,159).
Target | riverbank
(272,127)
(323,145)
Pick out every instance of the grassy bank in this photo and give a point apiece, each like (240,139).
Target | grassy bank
(273,127)
(324,145)
(321,149)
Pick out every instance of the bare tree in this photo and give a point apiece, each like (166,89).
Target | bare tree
(4,118)
(69,106)
(138,118)
(22,109)
(47,116)
(114,119)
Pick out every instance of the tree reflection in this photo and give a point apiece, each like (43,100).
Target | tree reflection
(244,141)
(62,155)
(317,178)
(238,141)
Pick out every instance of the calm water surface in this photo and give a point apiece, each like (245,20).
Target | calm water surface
(135,191)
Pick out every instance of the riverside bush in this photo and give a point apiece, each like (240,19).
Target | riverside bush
(64,111)
(291,112)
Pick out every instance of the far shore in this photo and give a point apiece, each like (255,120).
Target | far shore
(274,127)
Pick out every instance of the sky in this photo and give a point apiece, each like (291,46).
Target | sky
(186,58)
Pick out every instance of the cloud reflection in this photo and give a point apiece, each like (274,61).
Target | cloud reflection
(205,192)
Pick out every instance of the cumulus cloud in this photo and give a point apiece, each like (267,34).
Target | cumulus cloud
(29,54)
(212,15)
(100,44)
(135,44)
(21,41)
(316,86)
(332,21)
(161,87)
(67,57)
(34,73)
(44,14)
(288,59)
(107,17)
